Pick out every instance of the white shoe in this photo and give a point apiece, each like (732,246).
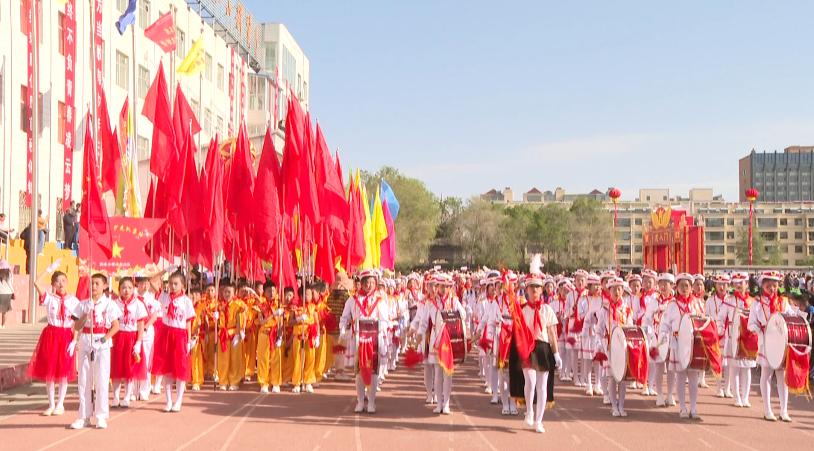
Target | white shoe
(438,409)
(275,389)
(505,411)
(785,417)
(115,403)
(295,389)
(646,392)
(695,416)
(309,388)
(729,394)
(196,387)
(264,389)
(513,410)
(222,388)
(703,384)
(721,393)
(539,428)
(156,391)
(233,388)
(615,413)
(360,407)
(371,407)
(176,407)
(428,400)
(606,400)
(168,407)
(48,412)
(488,391)
(598,391)
(660,401)
(125,403)
(683,414)
(529,420)
(622,413)
(769,417)
(494,400)
(671,402)
(101,423)
(589,391)
(738,404)
(446,411)
(59,411)
(746,404)
(80,423)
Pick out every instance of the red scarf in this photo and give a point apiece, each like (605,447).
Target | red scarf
(62,313)
(538,323)
(774,303)
(683,304)
(614,308)
(171,307)
(643,297)
(126,310)
(577,295)
(445,304)
(363,306)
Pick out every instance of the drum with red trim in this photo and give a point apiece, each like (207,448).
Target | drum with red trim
(693,352)
(744,342)
(785,333)
(455,327)
(628,354)
(369,333)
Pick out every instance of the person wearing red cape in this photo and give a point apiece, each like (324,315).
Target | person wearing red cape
(53,359)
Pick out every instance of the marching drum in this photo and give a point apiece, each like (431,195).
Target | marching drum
(662,349)
(784,332)
(628,354)
(369,333)
(455,327)
(744,341)
(692,351)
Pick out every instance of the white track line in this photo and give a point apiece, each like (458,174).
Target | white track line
(222,420)
(472,424)
(597,431)
(233,434)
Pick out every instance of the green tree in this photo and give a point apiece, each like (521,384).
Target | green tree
(418,218)
(764,251)
(591,240)
(552,232)
(451,208)
(481,232)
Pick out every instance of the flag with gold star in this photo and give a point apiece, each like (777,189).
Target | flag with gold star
(128,249)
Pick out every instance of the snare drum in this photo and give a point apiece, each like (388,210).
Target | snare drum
(783,332)
(455,327)
(693,352)
(628,354)
(744,342)
(369,333)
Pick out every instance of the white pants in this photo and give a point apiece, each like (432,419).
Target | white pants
(429,379)
(741,380)
(766,374)
(492,377)
(536,382)
(725,382)
(93,374)
(144,386)
(687,378)
(368,392)
(616,392)
(443,384)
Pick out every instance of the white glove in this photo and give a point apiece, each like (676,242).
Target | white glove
(216,315)
(343,335)
(304,318)
(278,343)
(242,334)
(137,348)
(557,360)
(316,342)
(71,348)
(280,312)
(236,340)
(190,345)
(53,266)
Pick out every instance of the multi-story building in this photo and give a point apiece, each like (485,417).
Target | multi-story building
(779,177)
(236,83)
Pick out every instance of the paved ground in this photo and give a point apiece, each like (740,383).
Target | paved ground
(325,421)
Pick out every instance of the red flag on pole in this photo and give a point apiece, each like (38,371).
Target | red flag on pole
(267,200)
(215,217)
(241,183)
(183,118)
(162,32)
(94,218)
(292,155)
(157,111)
(111,157)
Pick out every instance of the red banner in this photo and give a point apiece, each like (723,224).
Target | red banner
(30,98)
(130,237)
(232,94)
(69,40)
(97,66)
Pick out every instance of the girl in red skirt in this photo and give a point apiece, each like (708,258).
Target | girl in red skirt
(174,342)
(127,360)
(53,359)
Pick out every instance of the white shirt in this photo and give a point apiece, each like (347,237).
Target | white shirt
(184,310)
(547,319)
(105,312)
(52,303)
(134,312)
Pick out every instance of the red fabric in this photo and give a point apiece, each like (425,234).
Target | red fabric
(356,236)
(523,337)
(162,32)
(637,360)
(157,111)
(445,356)
(365,357)
(267,200)
(122,363)
(485,343)
(111,157)
(309,193)
(94,218)
(333,203)
(325,267)
(183,118)
(170,356)
(51,361)
(214,206)
(412,358)
(797,367)
(292,155)
(241,184)
(711,346)
(388,245)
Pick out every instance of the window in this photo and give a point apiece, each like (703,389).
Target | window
(730,222)
(623,222)
(142,148)
(179,43)
(271,58)
(143,81)
(784,221)
(207,121)
(220,125)
(798,235)
(61,33)
(767,222)
(798,221)
(714,236)
(122,64)
(798,249)
(208,66)
(730,235)
(811,222)
(637,221)
(784,235)
(715,222)
(61,122)
(144,14)
(715,250)
(220,77)
(257,93)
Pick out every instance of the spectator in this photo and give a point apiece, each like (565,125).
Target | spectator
(5,232)
(6,291)
(42,230)
(69,221)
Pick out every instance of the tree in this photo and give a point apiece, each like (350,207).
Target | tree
(451,208)
(418,218)
(552,232)
(481,231)
(591,237)
(765,252)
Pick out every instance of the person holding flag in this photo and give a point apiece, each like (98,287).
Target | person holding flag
(367,304)
(440,352)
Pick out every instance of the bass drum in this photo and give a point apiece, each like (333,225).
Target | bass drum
(692,354)
(783,332)
(628,354)
(455,327)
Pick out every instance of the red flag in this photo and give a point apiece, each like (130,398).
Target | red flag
(162,32)
(267,200)
(111,158)
(241,183)
(309,194)
(356,235)
(214,196)
(523,337)
(444,355)
(157,111)
(324,266)
(183,118)
(333,204)
(94,217)
(292,154)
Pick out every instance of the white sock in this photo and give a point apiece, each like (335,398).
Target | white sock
(63,390)
(542,395)
(530,376)
(782,391)
(49,387)
(180,387)
(168,390)
(765,388)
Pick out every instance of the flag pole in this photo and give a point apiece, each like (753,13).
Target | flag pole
(33,228)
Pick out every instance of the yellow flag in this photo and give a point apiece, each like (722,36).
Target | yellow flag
(194,61)
(368,263)
(378,229)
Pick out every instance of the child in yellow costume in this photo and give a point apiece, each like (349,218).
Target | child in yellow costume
(203,354)
(269,340)
(324,352)
(231,330)
(305,340)
(250,298)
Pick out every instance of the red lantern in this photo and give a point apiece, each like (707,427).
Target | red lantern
(614,194)
(752,194)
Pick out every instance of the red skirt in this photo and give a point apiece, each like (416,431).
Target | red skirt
(51,361)
(170,356)
(122,363)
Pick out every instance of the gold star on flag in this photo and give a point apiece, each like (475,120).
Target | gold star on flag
(117,250)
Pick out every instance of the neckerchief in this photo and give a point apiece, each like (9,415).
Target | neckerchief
(364,306)
(62,307)
(126,310)
(171,307)
(538,323)
(773,303)
(683,304)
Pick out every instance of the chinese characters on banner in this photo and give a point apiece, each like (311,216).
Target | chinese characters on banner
(97,67)
(232,94)
(31,97)
(69,40)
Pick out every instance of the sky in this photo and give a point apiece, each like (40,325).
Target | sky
(473,95)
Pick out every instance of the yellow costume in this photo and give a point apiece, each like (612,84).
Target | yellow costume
(203,353)
(302,371)
(269,355)
(324,352)
(250,343)
(231,363)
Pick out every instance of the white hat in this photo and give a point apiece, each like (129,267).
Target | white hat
(616,282)
(632,277)
(771,275)
(649,273)
(684,276)
(739,277)
(534,279)
(721,278)
(667,277)
(593,279)
(442,279)
(607,274)
(368,273)
(699,277)
(581,273)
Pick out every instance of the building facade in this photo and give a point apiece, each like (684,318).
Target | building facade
(779,177)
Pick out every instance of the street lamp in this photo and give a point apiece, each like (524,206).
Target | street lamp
(615,194)
(751,195)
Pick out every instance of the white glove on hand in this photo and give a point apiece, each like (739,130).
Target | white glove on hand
(242,334)
(53,266)
(137,348)
(190,345)
(303,318)
(71,348)
(316,342)
(279,312)
(216,315)
(278,343)
(557,360)
(236,340)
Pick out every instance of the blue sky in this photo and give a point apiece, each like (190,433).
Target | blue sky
(474,95)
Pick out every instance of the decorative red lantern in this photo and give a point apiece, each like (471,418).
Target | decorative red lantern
(752,194)
(614,194)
